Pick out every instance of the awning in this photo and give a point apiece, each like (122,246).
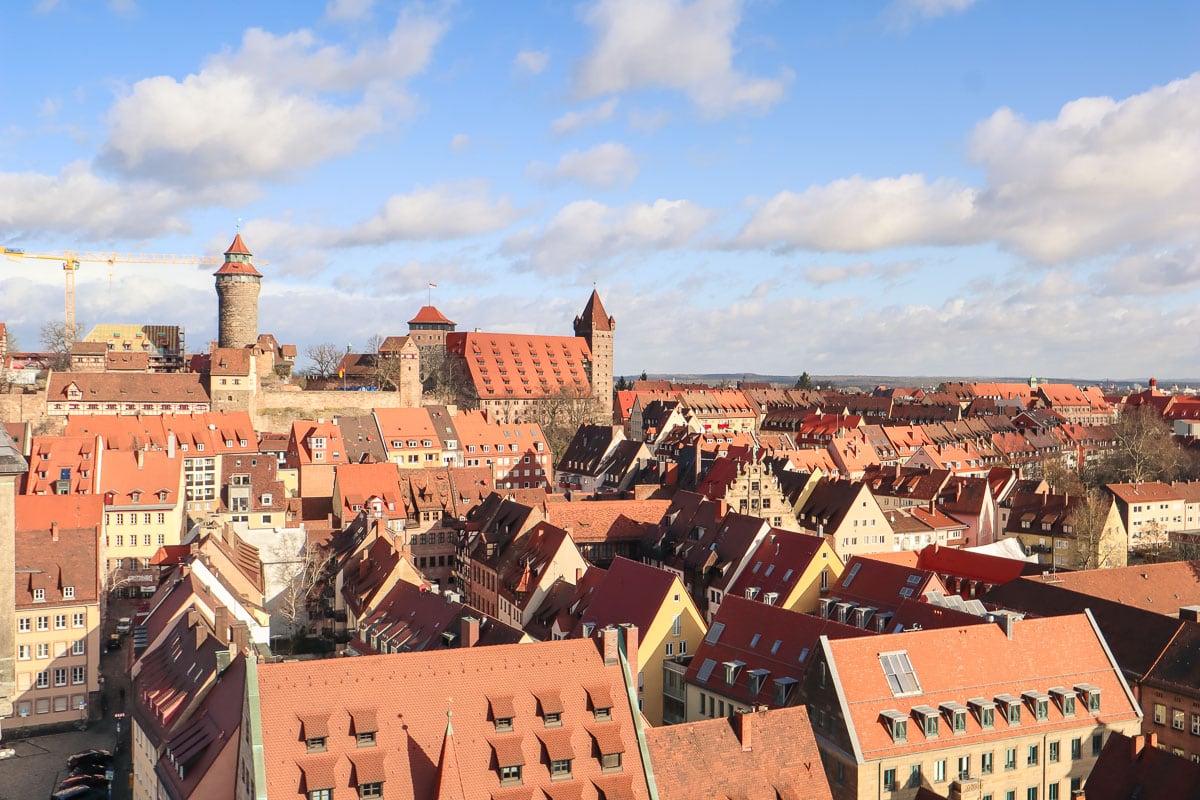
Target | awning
(550,701)
(364,720)
(502,707)
(315,726)
(600,695)
(608,738)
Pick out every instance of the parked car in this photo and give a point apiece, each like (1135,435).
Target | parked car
(81,793)
(97,781)
(124,625)
(114,641)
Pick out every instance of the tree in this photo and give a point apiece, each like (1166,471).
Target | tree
(622,384)
(300,575)
(804,382)
(325,359)
(1062,479)
(1145,451)
(1098,540)
(446,379)
(643,376)
(57,339)
(561,414)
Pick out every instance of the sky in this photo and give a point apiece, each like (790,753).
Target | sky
(902,187)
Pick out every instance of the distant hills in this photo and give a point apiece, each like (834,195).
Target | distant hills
(869,382)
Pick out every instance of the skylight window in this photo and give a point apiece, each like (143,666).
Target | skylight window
(899,673)
(850,576)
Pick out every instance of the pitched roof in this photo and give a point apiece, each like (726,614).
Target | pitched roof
(430,316)
(57,543)
(606,520)
(1135,767)
(778,563)
(129,387)
(594,317)
(869,581)
(1161,588)
(954,665)
(240,265)
(518,365)
(766,755)
(629,592)
(411,727)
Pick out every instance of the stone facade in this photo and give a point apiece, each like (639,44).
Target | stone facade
(12,467)
(238,285)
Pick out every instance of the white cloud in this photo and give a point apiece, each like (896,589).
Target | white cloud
(649,121)
(830,274)
(574,120)
(267,109)
(447,211)
(860,215)
(460,141)
(348,9)
(1101,176)
(603,166)
(79,203)
(677,45)
(532,62)
(1160,271)
(901,14)
(587,233)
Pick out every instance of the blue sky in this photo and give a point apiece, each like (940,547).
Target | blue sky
(909,187)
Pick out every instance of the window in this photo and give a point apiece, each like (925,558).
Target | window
(1032,758)
(60,622)
(60,676)
(23,652)
(510,775)
(1010,758)
(78,675)
(315,745)
(1031,793)
(939,770)
(914,776)
(985,763)
(1052,791)
(1097,743)
(43,650)
(320,794)
(43,623)
(1160,714)
(610,762)
(560,768)
(553,720)
(889,779)
(68,593)
(1195,724)
(374,789)
(78,647)
(1177,718)
(931,725)
(365,738)
(1076,748)
(23,625)
(504,723)
(677,625)
(39,595)
(1053,754)
(77,619)
(964,767)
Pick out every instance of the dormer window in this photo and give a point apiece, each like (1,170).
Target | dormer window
(1090,695)
(985,712)
(897,725)
(783,690)
(928,717)
(1064,699)
(732,668)
(956,715)
(39,595)
(757,678)
(68,593)
(1039,704)
(1011,706)
(553,720)
(316,744)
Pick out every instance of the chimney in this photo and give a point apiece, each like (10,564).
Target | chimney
(239,637)
(578,575)
(746,729)
(141,457)
(54,531)
(1189,613)
(470,632)
(221,624)
(629,638)
(608,646)
(170,444)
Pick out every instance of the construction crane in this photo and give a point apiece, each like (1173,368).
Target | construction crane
(71,259)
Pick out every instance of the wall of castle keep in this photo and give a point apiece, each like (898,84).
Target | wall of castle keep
(237,310)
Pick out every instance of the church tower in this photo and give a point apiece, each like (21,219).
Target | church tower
(238,284)
(596,327)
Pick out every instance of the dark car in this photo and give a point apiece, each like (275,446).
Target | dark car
(95,755)
(114,641)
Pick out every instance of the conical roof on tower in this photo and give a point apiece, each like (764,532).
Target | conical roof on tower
(450,783)
(237,260)
(594,316)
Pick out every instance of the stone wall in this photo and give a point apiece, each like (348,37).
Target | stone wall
(18,407)
(274,410)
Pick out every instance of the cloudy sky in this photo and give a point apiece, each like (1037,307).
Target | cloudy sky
(908,187)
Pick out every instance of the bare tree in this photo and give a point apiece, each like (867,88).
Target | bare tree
(1145,450)
(446,379)
(57,339)
(325,358)
(1062,479)
(1099,543)
(561,414)
(301,575)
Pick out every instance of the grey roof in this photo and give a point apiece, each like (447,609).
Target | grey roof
(11,460)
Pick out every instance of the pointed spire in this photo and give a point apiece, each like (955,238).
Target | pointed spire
(594,317)
(450,785)
(238,260)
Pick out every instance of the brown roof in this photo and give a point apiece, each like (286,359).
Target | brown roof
(520,365)
(118,387)
(594,317)
(766,755)
(1135,767)
(430,316)
(239,267)
(57,538)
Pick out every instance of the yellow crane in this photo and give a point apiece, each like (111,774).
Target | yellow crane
(71,259)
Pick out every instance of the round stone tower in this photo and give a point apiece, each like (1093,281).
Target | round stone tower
(238,284)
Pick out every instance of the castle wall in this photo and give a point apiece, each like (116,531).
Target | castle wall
(274,410)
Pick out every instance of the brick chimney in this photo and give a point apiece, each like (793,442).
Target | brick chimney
(608,646)
(54,531)
(469,636)
(629,637)
(746,729)
(221,624)
(239,637)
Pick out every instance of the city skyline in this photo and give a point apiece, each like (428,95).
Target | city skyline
(914,187)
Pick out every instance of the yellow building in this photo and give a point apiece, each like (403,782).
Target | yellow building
(668,622)
(144,509)
(58,621)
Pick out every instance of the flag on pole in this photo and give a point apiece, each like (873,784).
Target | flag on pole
(433,286)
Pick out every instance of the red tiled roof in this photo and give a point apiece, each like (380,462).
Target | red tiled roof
(629,592)
(503,365)
(430,316)
(231,267)
(594,317)
(51,561)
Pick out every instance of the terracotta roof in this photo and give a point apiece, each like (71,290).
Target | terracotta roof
(871,582)
(426,748)
(1135,767)
(238,266)
(955,665)
(120,387)
(231,361)
(778,563)
(193,753)
(503,365)
(766,755)
(430,316)
(594,317)
(57,543)
(411,618)
(629,592)
(605,520)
